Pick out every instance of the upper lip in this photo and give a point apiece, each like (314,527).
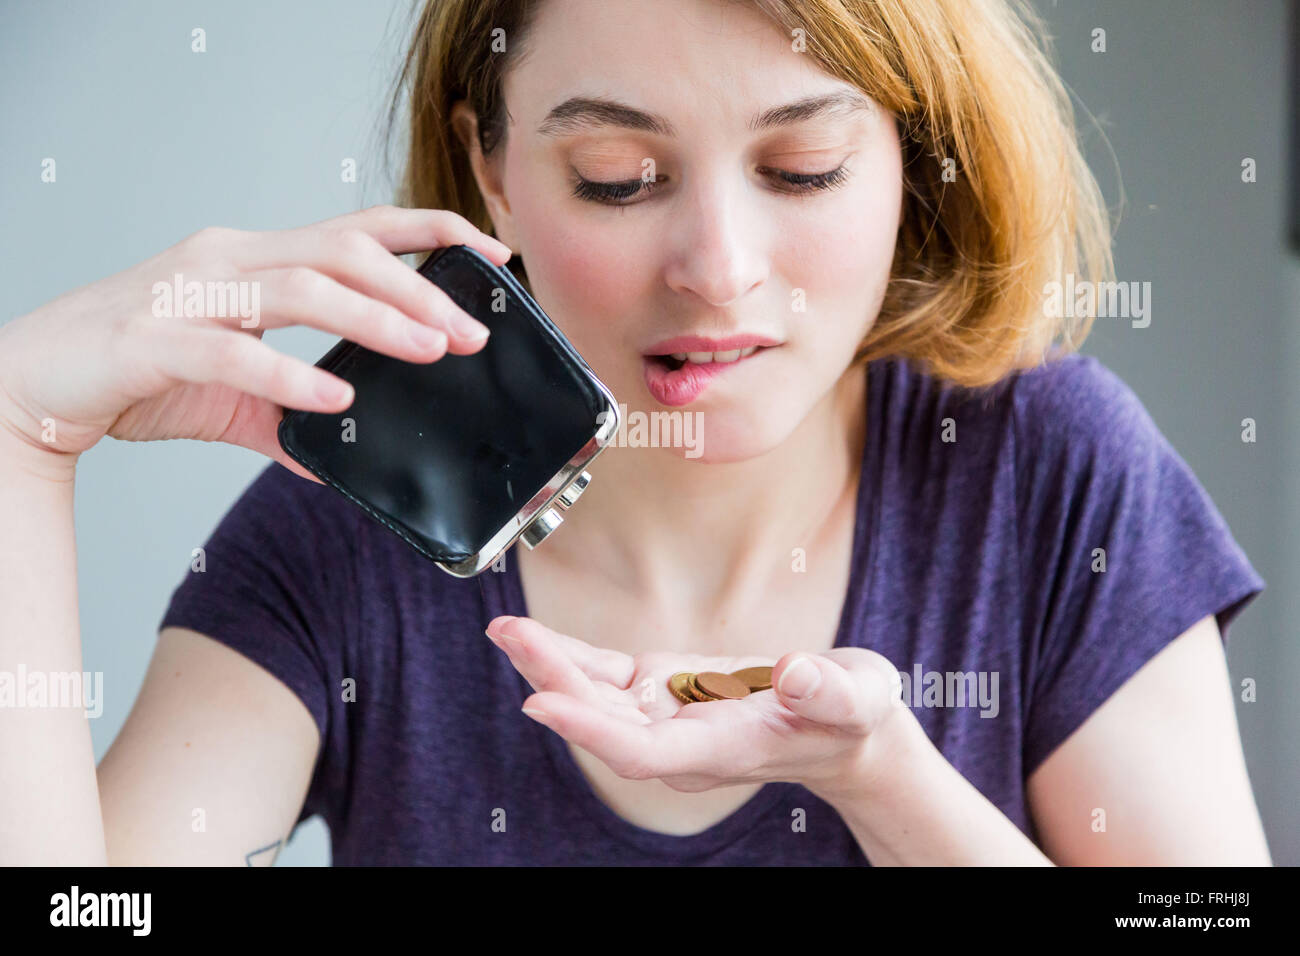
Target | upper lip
(703,343)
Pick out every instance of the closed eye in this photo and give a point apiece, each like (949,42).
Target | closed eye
(612,193)
(618,193)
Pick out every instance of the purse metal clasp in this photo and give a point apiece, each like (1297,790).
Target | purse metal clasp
(550,519)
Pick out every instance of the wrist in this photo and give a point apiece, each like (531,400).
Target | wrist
(21,460)
(24,456)
(885,758)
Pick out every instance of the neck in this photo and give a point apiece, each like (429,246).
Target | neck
(664,528)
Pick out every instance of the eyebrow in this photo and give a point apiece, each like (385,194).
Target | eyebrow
(585,112)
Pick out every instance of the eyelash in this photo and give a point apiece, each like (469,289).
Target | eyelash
(615,194)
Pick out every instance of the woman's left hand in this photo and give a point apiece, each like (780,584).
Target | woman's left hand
(827,722)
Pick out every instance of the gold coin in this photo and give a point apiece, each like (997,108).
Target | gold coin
(755,678)
(693,688)
(677,684)
(721,686)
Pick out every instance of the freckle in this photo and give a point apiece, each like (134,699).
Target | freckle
(187,743)
(178,673)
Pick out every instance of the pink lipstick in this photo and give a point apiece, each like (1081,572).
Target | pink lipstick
(678,370)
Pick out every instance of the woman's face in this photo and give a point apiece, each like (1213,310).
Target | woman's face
(770,219)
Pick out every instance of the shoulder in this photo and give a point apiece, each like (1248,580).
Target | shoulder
(1072,391)
(1074,403)
(1097,482)
(1067,416)
(1084,440)
(1071,404)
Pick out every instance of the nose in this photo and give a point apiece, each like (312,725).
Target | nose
(717,241)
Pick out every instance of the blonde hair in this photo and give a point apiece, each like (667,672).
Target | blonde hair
(998,199)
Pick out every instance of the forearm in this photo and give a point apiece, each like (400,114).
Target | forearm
(920,811)
(49,798)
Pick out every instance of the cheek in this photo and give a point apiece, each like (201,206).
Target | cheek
(842,260)
(580,278)
(575,267)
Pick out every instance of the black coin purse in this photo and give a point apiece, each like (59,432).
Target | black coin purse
(463,456)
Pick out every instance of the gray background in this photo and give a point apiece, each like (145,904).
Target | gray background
(153,142)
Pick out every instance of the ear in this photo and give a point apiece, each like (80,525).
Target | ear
(487,172)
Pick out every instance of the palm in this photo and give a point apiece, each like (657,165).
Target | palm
(196,411)
(211,412)
(618,707)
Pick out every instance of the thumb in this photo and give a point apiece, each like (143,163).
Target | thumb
(854,690)
(255,426)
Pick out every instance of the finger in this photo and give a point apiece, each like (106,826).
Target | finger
(402,230)
(854,697)
(869,665)
(303,296)
(598,663)
(254,426)
(612,694)
(293,466)
(547,668)
(357,260)
(635,747)
(203,354)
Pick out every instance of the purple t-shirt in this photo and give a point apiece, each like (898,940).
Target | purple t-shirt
(979,517)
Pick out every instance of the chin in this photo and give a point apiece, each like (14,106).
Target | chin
(717,437)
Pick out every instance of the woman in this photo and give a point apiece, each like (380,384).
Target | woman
(994,596)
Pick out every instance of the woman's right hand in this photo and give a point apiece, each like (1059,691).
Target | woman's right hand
(99,360)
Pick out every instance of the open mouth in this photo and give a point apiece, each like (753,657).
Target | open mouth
(679,378)
(676,360)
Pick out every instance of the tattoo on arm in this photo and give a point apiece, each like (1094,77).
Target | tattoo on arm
(272,848)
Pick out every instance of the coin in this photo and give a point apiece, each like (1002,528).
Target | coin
(677,684)
(693,689)
(755,678)
(711,685)
(721,686)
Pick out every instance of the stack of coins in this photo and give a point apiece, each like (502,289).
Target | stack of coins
(713,685)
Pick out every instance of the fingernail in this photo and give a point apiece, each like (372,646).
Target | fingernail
(424,337)
(500,621)
(540,716)
(332,390)
(499,637)
(800,679)
(468,328)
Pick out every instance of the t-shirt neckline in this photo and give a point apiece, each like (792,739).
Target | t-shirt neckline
(505,595)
